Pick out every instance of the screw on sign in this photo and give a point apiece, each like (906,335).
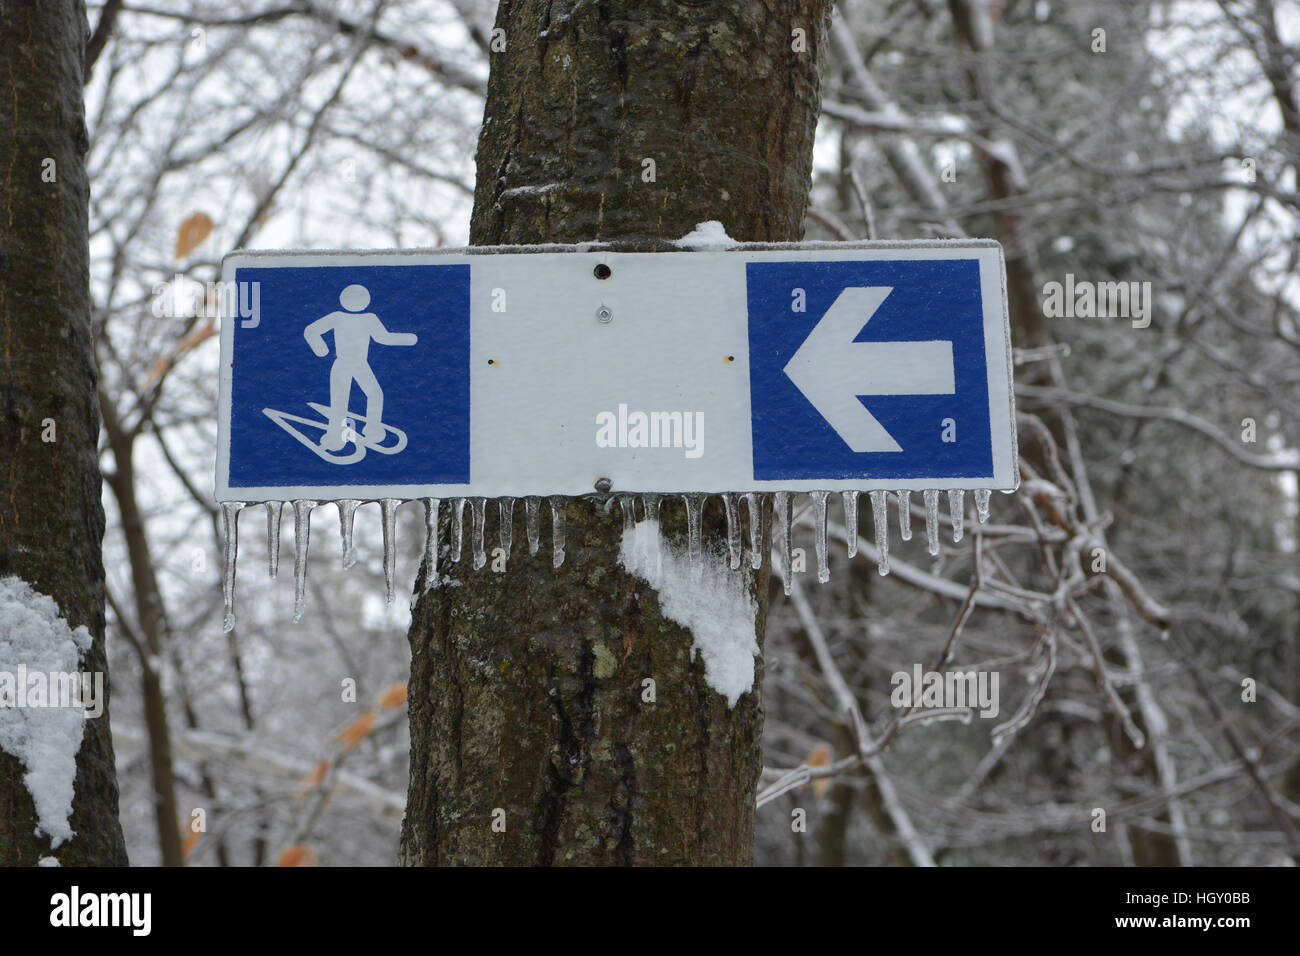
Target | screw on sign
(749,372)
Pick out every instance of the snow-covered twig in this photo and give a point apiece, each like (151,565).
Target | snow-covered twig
(868,754)
(1286,460)
(895,122)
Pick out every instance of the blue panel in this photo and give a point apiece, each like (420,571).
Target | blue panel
(424,386)
(931,300)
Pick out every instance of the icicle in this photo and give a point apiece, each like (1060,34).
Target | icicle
(431,508)
(880,518)
(819,534)
(388,509)
(982,504)
(531,506)
(347,512)
(627,503)
(783,523)
(932,520)
(905,515)
(557,531)
(628,506)
(734,545)
(506,511)
(694,508)
(230,529)
(478,507)
(754,505)
(651,504)
(956,506)
(850,499)
(457,527)
(301,542)
(273,511)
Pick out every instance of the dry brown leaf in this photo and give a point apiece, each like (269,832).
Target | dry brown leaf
(163,364)
(313,779)
(820,757)
(201,334)
(160,368)
(192,232)
(395,696)
(190,842)
(352,734)
(298,855)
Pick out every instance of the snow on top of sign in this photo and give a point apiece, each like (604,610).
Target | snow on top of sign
(711,234)
(706,235)
(707,599)
(45,739)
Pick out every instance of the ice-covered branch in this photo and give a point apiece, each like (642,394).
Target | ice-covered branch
(1285,460)
(896,123)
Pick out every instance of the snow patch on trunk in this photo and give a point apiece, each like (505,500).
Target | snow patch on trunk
(704,597)
(705,235)
(45,739)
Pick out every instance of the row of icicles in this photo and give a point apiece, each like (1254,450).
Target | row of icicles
(302,509)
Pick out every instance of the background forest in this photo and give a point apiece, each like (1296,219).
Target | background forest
(1139,595)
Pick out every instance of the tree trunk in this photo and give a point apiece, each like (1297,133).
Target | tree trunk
(51,519)
(526,688)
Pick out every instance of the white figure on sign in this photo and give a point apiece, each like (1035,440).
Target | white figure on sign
(354,329)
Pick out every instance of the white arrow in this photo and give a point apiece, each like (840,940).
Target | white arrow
(832,370)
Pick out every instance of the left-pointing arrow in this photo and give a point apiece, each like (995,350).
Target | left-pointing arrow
(832,370)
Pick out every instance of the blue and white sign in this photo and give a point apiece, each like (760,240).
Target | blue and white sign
(889,359)
(499,372)
(337,382)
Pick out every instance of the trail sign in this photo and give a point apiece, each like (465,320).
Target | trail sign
(553,371)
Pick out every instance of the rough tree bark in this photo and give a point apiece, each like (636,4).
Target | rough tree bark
(51,520)
(526,687)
